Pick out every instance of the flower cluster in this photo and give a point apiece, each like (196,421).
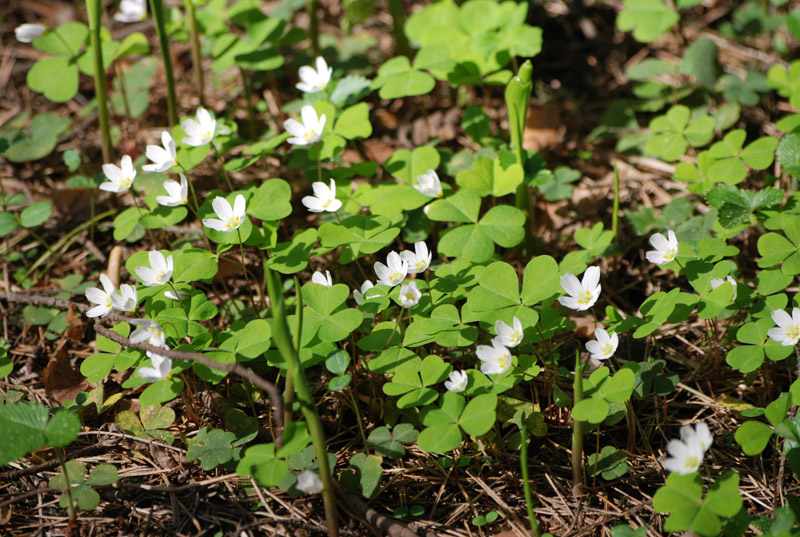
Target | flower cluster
(687,454)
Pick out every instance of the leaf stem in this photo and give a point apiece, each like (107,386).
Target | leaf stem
(246,274)
(194,40)
(157,7)
(615,209)
(68,483)
(577,429)
(526,485)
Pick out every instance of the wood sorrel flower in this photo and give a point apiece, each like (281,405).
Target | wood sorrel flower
(119,179)
(419,260)
(687,454)
(158,273)
(307,132)
(131,11)
(177,193)
(583,294)
(359,295)
(160,370)
(324,198)
(314,80)
(393,272)
(428,184)
(603,346)
(28,32)
(104,298)
(149,331)
(508,336)
(127,298)
(322,279)
(457,381)
(666,248)
(788,330)
(309,482)
(199,131)
(409,295)
(496,359)
(163,158)
(229,218)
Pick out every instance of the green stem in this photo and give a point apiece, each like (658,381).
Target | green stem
(577,429)
(517,97)
(246,274)
(401,45)
(615,211)
(283,341)
(157,7)
(430,293)
(60,455)
(526,485)
(194,40)
(94,10)
(312,6)
(358,418)
(251,111)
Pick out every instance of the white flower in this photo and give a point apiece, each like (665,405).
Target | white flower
(457,382)
(127,298)
(393,272)
(200,131)
(583,294)
(158,273)
(700,435)
(172,296)
(716,282)
(131,11)
(29,31)
(409,295)
(314,80)
(685,458)
(307,132)
(428,183)
(150,331)
(176,192)
(359,296)
(496,359)
(229,218)
(160,370)
(665,248)
(309,482)
(788,330)
(322,279)
(603,346)
(119,179)
(324,198)
(510,337)
(102,297)
(417,262)
(163,157)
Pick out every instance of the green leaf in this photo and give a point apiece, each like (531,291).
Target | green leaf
(35,214)
(479,415)
(440,438)
(353,123)
(22,430)
(363,233)
(253,339)
(618,389)
(125,222)
(62,429)
(193,264)
(753,436)
(102,475)
(271,201)
(292,256)
(490,177)
(649,19)
(498,288)
(350,89)
(55,77)
(213,448)
(161,392)
(788,154)
(462,206)
(591,409)
(700,61)
(610,463)
(8,223)
(326,314)
(369,472)
(407,165)
(760,154)
(396,78)
(541,280)
(260,462)
(66,40)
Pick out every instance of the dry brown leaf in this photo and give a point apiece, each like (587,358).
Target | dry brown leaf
(75,329)
(62,381)
(542,127)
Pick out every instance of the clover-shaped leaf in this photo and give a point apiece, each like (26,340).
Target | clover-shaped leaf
(649,19)
(213,448)
(444,423)
(326,314)
(490,177)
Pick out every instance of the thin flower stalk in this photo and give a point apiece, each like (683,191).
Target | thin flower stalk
(94,11)
(157,7)
(194,41)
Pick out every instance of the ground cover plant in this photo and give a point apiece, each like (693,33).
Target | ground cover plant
(400,268)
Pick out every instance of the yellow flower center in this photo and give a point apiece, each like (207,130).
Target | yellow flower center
(515,337)
(309,134)
(421,265)
(503,361)
(395,278)
(410,296)
(691,463)
(584,298)
(233,222)
(608,349)
(793,332)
